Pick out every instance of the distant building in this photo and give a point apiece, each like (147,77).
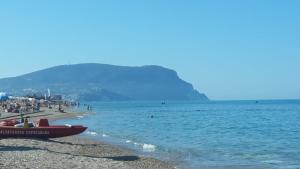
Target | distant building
(37,95)
(56,97)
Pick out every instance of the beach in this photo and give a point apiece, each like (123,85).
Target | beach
(70,152)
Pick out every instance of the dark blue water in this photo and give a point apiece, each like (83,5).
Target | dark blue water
(217,134)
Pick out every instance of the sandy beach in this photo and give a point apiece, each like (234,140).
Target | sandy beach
(70,152)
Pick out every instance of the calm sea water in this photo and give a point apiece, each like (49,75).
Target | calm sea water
(216,134)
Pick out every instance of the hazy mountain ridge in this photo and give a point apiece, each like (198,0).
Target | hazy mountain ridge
(105,82)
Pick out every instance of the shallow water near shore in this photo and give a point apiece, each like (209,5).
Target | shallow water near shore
(216,134)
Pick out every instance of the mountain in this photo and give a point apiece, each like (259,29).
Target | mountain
(94,82)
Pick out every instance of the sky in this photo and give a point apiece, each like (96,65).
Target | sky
(229,50)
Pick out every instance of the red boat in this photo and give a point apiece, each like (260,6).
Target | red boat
(10,129)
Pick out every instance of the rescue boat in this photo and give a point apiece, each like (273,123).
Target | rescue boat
(42,130)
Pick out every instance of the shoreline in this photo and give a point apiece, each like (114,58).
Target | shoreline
(72,152)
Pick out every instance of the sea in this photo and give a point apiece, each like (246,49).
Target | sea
(194,134)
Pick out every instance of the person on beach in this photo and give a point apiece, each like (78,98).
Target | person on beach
(89,107)
(22,117)
(26,124)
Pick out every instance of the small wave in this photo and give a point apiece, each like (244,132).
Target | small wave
(92,133)
(272,161)
(79,117)
(292,167)
(149,147)
(104,135)
(128,141)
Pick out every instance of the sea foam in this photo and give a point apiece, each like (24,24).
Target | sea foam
(92,133)
(149,147)
(79,117)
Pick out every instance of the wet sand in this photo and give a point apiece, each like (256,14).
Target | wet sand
(70,152)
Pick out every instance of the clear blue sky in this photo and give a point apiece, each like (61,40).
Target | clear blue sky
(228,49)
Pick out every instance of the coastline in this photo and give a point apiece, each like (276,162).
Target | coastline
(71,152)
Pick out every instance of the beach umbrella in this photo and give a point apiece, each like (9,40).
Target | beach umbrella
(3,97)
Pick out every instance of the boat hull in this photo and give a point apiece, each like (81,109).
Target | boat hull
(40,132)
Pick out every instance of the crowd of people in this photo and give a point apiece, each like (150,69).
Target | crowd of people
(19,105)
(30,105)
